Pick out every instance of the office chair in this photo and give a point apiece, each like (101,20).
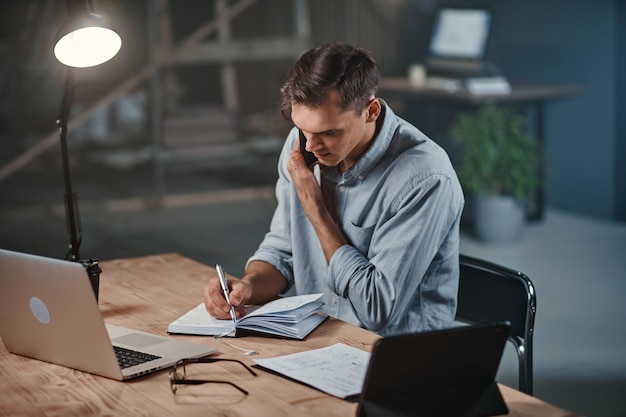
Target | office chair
(490,292)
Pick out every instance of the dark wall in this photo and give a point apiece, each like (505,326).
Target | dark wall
(620,136)
(567,42)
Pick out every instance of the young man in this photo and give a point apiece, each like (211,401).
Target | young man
(374,224)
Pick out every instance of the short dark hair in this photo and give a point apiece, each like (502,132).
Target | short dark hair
(351,71)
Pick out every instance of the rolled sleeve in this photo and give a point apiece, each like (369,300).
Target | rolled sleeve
(383,286)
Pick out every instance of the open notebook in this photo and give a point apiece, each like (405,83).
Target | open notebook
(293,317)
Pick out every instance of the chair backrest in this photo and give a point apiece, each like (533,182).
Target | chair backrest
(489,293)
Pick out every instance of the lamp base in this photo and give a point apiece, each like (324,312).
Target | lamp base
(93,271)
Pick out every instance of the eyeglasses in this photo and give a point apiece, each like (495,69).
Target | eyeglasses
(178,375)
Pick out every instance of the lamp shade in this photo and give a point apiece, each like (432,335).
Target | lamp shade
(86,40)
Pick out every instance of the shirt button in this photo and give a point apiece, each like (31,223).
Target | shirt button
(334,300)
(361,177)
(342,188)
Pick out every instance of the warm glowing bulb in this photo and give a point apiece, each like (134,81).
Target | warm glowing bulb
(87,47)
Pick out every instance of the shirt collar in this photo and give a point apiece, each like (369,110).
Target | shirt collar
(373,154)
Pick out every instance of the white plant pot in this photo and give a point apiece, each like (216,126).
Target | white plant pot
(498,219)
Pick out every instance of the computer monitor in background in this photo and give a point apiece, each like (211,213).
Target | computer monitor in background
(458,41)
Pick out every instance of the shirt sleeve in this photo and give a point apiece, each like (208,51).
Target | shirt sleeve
(381,285)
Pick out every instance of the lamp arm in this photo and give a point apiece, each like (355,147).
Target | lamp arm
(77,7)
(71,208)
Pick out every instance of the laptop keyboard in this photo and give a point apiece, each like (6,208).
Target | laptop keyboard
(128,358)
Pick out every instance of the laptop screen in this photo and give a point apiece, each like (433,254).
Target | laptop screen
(460,33)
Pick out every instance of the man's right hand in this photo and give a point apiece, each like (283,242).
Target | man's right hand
(260,284)
(214,297)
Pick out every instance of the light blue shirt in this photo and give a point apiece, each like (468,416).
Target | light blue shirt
(399,207)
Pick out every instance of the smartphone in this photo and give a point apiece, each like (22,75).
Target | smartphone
(309,157)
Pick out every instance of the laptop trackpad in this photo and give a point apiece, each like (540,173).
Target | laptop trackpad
(138,340)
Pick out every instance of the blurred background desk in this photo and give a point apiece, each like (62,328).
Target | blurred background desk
(520,93)
(420,105)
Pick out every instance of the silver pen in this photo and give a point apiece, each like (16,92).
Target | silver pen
(224,285)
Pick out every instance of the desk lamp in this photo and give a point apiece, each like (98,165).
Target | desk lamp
(84,40)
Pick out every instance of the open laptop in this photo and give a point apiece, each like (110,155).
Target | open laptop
(443,373)
(48,311)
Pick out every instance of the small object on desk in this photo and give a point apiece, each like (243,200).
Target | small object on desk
(338,370)
(417,75)
(450,85)
(244,351)
(488,85)
(294,317)
(224,285)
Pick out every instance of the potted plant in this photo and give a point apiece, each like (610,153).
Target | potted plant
(500,167)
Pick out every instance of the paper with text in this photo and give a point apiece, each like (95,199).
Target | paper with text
(338,370)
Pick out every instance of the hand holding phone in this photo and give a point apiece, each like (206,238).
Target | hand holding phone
(309,157)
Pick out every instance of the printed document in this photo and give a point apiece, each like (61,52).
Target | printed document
(338,370)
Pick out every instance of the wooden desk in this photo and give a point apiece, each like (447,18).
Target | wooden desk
(148,293)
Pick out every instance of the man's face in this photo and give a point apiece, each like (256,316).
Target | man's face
(336,137)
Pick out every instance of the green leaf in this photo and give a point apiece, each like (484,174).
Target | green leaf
(499,155)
